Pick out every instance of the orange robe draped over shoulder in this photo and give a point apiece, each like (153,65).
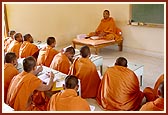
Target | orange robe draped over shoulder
(67,101)
(46,56)
(14,47)
(157,105)
(119,90)
(60,63)
(109,26)
(152,93)
(21,89)
(86,71)
(9,72)
(27,49)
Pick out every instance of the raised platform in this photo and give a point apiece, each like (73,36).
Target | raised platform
(96,44)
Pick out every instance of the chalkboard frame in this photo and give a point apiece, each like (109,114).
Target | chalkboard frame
(138,22)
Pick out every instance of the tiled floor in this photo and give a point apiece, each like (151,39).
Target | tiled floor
(153,67)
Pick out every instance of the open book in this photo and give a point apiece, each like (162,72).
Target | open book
(58,81)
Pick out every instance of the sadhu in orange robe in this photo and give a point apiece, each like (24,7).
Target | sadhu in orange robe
(20,92)
(152,93)
(108,26)
(67,101)
(15,47)
(46,55)
(86,71)
(28,49)
(9,72)
(60,63)
(157,105)
(119,90)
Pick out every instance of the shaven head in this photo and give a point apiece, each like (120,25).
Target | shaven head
(85,51)
(70,50)
(29,63)
(106,14)
(50,40)
(18,37)
(121,61)
(10,57)
(11,33)
(28,37)
(161,89)
(71,82)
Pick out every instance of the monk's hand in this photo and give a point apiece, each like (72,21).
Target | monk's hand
(102,34)
(52,75)
(40,69)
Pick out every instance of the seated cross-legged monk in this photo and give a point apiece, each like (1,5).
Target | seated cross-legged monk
(24,85)
(68,100)
(119,88)
(107,28)
(28,48)
(152,93)
(47,53)
(9,70)
(15,44)
(9,39)
(86,71)
(62,61)
(158,103)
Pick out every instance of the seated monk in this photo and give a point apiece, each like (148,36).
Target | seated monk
(9,39)
(47,53)
(62,61)
(23,85)
(86,71)
(28,48)
(151,93)
(15,44)
(158,103)
(9,70)
(119,89)
(68,100)
(107,29)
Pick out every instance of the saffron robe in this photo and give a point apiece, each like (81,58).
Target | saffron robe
(60,63)
(119,90)
(108,26)
(27,49)
(157,105)
(9,72)
(86,71)
(46,56)
(152,93)
(14,47)
(67,101)
(20,91)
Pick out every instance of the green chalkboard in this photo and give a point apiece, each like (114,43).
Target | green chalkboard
(148,13)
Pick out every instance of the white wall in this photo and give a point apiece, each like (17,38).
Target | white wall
(65,21)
